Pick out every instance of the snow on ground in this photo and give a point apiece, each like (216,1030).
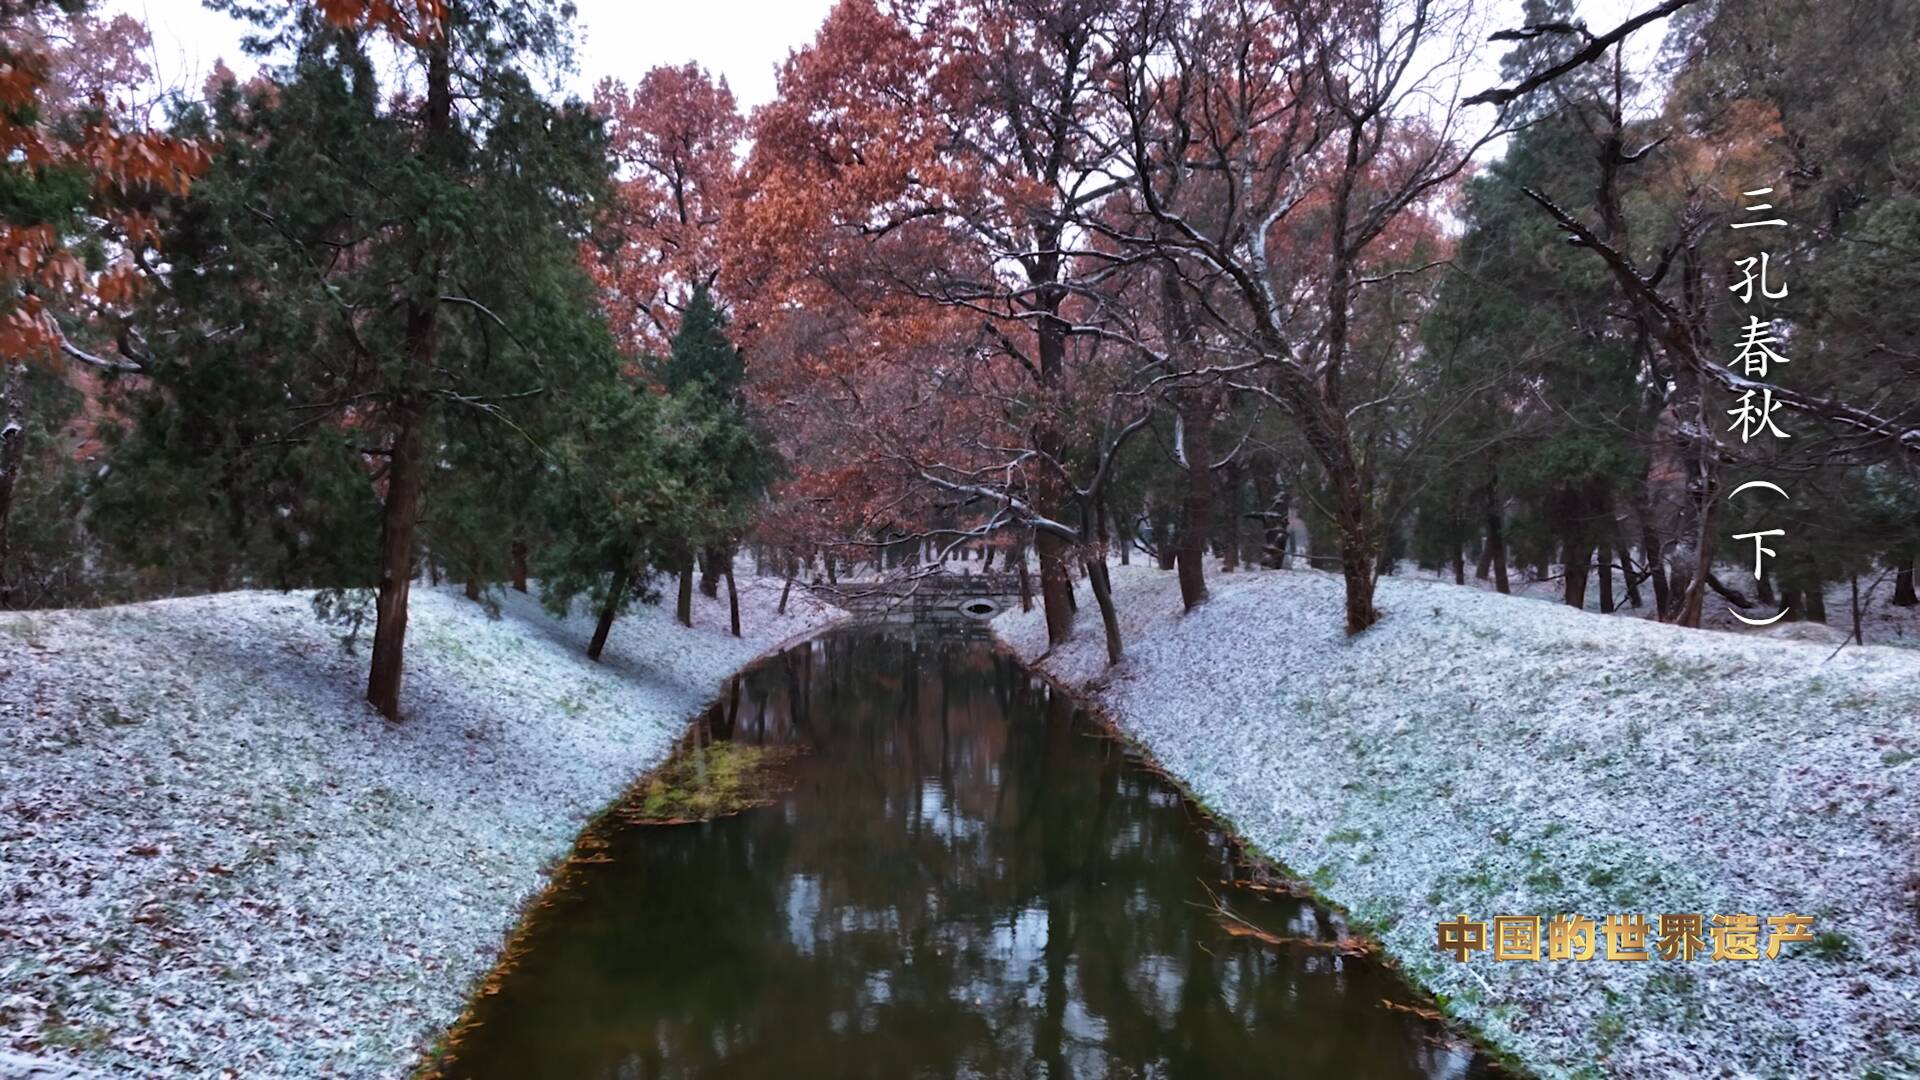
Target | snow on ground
(1881,621)
(1504,756)
(216,860)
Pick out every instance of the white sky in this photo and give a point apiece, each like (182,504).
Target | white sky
(743,40)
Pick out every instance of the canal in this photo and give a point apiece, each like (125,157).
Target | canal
(957,873)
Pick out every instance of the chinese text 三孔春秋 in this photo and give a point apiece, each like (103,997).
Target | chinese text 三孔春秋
(1753,413)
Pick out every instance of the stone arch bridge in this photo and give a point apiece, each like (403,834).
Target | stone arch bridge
(925,595)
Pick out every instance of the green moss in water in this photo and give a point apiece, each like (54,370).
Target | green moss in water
(700,783)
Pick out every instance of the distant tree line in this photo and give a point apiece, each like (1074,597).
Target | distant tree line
(1047,284)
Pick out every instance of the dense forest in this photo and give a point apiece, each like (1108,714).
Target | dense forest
(1045,284)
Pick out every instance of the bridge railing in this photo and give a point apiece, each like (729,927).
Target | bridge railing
(969,583)
(922,589)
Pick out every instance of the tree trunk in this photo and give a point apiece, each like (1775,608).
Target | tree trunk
(1625,552)
(712,563)
(1048,488)
(784,591)
(399,515)
(1496,543)
(1903,595)
(1362,538)
(1578,559)
(473,586)
(1459,560)
(1816,601)
(608,610)
(1195,440)
(1026,583)
(1103,596)
(1654,564)
(13,448)
(1100,524)
(1352,514)
(1056,577)
(733,598)
(1858,637)
(1356,568)
(519,556)
(683,608)
(1605,567)
(1276,514)
(1691,605)
(1056,586)
(1230,520)
(406,467)
(1387,561)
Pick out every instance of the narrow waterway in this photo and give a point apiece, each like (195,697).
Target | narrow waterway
(959,875)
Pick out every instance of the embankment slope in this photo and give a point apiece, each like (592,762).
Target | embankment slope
(1494,755)
(214,856)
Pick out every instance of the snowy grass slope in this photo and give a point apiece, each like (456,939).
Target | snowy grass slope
(1497,755)
(1881,621)
(216,860)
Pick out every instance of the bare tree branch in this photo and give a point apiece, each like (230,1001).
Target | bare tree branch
(1595,48)
(1674,331)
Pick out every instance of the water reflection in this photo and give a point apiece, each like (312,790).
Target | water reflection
(960,880)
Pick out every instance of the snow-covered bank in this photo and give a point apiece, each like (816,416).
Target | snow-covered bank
(1500,756)
(216,860)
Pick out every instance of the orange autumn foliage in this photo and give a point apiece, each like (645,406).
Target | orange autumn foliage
(57,120)
(673,136)
(413,22)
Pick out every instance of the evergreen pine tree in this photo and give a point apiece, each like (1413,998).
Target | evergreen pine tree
(371,302)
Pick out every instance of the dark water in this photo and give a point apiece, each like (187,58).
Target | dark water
(962,878)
